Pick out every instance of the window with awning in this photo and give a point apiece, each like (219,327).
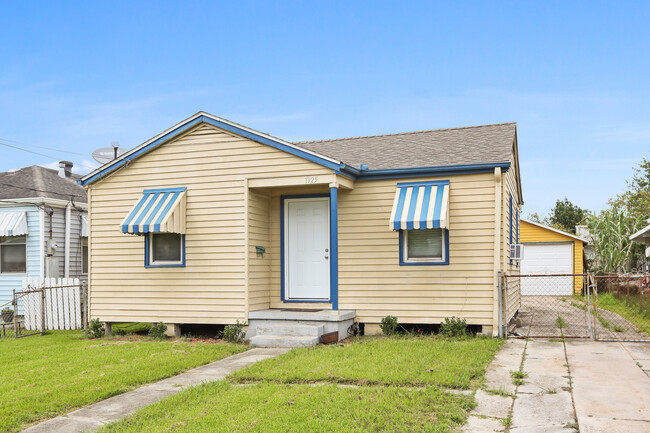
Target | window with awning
(157,211)
(421,215)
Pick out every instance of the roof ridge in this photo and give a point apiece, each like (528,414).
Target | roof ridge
(38,179)
(406,133)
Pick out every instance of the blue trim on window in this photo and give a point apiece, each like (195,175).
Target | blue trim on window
(401,253)
(282,253)
(429,183)
(147,252)
(231,128)
(334,248)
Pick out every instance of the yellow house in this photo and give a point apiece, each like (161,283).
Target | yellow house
(551,251)
(211,222)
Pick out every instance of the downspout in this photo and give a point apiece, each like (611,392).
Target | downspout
(66,259)
(498,179)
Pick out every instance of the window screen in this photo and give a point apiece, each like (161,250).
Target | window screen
(13,254)
(424,244)
(166,247)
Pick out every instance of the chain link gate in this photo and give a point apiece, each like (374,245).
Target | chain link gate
(604,308)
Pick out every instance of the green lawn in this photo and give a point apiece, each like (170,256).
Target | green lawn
(269,407)
(630,311)
(373,384)
(45,376)
(449,363)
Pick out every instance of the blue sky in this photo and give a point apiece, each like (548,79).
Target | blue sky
(76,76)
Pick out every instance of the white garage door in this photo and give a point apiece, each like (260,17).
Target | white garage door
(545,259)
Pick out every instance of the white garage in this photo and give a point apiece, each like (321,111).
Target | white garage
(547,259)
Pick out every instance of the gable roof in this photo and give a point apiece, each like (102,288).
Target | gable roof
(40,182)
(443,151)
(556,231)
(641,235)
(438,147)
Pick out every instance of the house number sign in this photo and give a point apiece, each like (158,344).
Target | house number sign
(311,179)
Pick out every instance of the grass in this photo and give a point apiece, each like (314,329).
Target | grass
(630,311)
(272,407)
(430,360)
(130,328)
(45,376)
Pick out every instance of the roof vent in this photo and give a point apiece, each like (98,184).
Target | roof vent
(363,167)
(65,168)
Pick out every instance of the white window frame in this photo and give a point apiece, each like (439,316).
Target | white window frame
(180,262)
(9,243)
(407,259)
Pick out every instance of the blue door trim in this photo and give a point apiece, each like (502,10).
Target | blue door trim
(283,296)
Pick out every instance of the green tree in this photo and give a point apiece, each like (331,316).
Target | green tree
(565,215)
(636,200)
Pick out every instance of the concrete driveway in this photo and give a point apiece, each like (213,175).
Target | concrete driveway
(572,386)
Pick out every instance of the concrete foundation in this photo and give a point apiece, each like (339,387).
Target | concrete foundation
(371,329)
(108,330)
(173,330)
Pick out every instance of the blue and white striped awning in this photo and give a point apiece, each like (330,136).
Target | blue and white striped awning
(13,223)
(157,211)
(421,205)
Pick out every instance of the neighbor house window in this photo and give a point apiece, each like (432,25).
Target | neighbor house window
(427,246)
(166,249)
(13,254)
(84,255)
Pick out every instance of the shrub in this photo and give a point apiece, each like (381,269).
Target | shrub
(234,333)
(95,329)
(453,327)
(157,331)
(389,325)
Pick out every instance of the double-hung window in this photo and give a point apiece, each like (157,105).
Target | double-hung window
(421,215)
(13,254)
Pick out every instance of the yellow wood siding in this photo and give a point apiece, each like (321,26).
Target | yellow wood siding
(511,267)
(372,282)
(213,165)
(533,233)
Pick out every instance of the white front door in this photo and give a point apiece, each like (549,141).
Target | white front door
(547,259)
(307,249)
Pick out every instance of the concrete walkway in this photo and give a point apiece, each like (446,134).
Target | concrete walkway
(95,416)
(577,386)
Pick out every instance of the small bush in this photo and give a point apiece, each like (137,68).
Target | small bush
(389,325)
(157,331)
(95,329)
(454,327)
(234,333)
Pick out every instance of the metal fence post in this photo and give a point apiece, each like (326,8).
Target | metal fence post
(42,311)
(15,305)
(501,309)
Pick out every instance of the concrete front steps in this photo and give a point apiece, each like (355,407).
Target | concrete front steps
(296,328)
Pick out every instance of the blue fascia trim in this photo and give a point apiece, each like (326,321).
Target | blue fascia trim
(204,119)
(283,297)
(429,183)
(441,170)
(150,191)
(401,253)
(147,252)
(334,249)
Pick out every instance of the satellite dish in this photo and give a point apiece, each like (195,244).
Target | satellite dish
(107,154)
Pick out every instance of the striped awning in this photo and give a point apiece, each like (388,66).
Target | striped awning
(13,223)
(157,211)
(84,226)
(421,205)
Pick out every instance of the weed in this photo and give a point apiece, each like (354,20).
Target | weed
(454,327)
(157,331)
(517,382)
(579,306)
(389,325)
(234,333)
(605,322)
(95,329)
(560,322)
(507,422)
(563,299)
(557,340)
(618,328)
(518,374)
(500,391)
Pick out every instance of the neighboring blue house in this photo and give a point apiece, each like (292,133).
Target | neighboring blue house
(43,226)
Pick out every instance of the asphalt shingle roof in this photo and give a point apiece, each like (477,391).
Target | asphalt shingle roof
(40,182)
(454,146)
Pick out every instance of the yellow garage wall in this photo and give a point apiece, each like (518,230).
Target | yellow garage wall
(533,233)
(213,165)
(372,282)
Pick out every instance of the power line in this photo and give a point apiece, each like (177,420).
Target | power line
(38,190)
(40,147)
(47,156)
(25,150)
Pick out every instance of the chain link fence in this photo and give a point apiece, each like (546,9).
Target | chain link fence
(605,308)
(44,305)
